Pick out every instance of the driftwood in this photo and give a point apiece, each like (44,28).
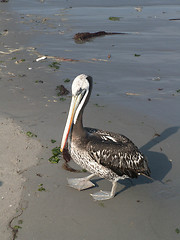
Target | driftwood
(85,36)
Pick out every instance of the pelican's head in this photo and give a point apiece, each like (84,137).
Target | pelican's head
(81,88)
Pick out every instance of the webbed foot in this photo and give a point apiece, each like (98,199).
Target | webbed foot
(80,183)
(102,195)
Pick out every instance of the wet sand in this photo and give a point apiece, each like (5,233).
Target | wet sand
(125,99)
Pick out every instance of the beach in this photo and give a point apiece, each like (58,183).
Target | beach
(136,92)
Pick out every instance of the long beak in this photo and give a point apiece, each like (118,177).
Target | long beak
(72,110)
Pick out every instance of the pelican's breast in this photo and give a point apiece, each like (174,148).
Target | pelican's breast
(81,157)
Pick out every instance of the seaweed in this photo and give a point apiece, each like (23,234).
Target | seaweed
(55,65)
(41,188)
(62,99)
(97,105)
(54,159)
(15,228)
(114,18)
(56,155)
(174,19)
(39,81)
(30,134)
(62,90)
(85,36)
(56,151)
(67,80)
(137,55)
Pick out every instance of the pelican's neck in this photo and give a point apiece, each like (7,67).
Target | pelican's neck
(78,130)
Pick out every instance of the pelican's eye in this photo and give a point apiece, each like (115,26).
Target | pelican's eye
(79,91)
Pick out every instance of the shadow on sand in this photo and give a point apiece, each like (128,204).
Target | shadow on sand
(159,164)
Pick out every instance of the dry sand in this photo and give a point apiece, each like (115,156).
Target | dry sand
(142,209)
(17,153)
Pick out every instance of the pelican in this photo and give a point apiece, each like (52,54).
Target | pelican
(102,153)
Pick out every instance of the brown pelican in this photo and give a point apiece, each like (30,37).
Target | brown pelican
(105,154)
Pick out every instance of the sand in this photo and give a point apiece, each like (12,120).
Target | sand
(126,98)
(18,153)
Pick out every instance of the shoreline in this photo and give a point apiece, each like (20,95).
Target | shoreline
(29,100)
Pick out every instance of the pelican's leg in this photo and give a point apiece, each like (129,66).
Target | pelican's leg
(102,195)
(81,183)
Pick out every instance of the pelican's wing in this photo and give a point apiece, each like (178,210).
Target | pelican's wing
(117,152)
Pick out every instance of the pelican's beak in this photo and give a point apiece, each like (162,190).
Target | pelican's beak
(73,107)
